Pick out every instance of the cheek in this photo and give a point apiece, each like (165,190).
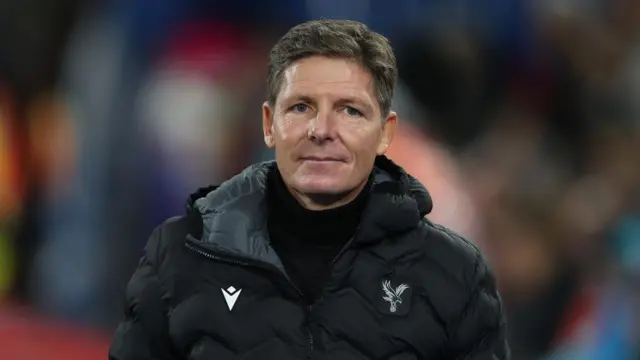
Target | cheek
(364,142)
(288,129)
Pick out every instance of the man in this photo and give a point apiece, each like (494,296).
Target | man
(324,253)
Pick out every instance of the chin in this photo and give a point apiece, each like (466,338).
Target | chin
(322,186)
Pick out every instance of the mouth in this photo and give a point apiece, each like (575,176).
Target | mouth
(321,159)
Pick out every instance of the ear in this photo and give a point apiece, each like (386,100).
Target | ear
(267,125)
(388,131)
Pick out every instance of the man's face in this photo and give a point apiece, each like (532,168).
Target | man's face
(326,127)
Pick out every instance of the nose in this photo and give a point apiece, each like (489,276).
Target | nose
(321,127)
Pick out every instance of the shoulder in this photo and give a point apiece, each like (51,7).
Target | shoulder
(451,248)
(472,308)
(456,264)
(165,237)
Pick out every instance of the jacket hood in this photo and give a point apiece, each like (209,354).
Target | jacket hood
(231,218)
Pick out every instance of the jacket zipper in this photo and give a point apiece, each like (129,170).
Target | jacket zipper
(347,245)
(310,351)
(213,257)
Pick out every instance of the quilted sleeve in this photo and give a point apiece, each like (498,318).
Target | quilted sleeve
(481,330)
(143,333)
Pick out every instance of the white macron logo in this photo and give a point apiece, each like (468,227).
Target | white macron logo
(231,296)
(394,297)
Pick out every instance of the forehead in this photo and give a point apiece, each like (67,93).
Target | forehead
(332,77)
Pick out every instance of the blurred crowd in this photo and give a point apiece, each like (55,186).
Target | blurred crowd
(520,117)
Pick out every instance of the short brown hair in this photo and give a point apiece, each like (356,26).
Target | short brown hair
(336,38)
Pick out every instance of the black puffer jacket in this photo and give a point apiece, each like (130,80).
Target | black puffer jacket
(210,287)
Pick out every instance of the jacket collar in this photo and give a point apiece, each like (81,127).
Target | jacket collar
(231,218)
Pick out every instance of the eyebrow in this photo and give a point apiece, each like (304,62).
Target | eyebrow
(345,100)
(303,98)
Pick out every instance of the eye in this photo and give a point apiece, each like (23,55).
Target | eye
(353,112)
(300,108)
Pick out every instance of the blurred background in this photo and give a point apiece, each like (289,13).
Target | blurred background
(520,116)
